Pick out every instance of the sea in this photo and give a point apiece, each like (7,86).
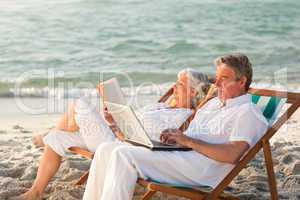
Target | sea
(61,48)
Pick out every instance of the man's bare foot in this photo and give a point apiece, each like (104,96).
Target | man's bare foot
(38,139)
(30,195)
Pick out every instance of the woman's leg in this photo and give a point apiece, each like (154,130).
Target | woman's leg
(92,126)
(93,131)
(57,143)
(49,165)
(67,121)
(37,139)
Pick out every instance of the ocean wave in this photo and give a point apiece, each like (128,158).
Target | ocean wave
(142,89)
(182,46)
(134,45)
(60,93)
(144,82)
(60,87)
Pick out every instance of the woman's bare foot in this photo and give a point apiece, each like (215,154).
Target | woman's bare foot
(38,139)
(30,195)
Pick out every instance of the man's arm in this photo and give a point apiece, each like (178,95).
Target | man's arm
(229,153)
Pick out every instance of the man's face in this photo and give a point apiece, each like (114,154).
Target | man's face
(183,93)
(228,84)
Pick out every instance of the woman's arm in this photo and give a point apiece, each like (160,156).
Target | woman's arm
(117,131)
(113,126)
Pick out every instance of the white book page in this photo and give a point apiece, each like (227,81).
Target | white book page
(112,92)
(128,122)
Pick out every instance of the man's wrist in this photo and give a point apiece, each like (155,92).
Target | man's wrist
(188,142)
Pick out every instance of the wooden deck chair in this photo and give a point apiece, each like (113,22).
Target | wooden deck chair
(271,102)
(89,155)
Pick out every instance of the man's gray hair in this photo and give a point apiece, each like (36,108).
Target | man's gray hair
(241,65)
(198,81)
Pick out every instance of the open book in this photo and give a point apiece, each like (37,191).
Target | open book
(111,91)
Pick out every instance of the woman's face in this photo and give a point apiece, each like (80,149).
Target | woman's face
(183,92)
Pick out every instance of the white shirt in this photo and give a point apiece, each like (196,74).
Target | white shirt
(160,116)
(238,120)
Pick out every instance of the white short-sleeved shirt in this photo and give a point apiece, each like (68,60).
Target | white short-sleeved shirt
(238,120)
(160,116)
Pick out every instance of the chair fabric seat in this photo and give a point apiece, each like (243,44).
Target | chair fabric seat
(197,187)
(270,106)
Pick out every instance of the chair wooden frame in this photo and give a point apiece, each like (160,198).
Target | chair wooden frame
(263,143)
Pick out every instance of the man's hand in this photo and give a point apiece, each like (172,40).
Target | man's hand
(174,136)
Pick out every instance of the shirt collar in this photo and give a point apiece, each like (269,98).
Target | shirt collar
(245,98)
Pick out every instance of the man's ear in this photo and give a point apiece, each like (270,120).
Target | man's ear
(243,81)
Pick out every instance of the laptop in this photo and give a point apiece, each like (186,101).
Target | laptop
(134,131)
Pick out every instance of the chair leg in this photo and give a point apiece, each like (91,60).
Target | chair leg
(148,195)
(83,178)
(270,170)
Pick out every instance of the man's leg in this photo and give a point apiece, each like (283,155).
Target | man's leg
(98,168)
(127,163)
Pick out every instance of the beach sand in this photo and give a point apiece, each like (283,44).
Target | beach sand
(19,162)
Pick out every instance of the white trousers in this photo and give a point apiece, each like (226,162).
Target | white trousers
(116,167)
(93,130)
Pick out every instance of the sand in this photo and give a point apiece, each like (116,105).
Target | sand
(19,161)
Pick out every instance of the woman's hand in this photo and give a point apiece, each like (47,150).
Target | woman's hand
(99,88)
(117,131)
(108,117)
(174,136)
(113,126)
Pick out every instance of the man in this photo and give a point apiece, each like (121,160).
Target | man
(220,133)
(84,127)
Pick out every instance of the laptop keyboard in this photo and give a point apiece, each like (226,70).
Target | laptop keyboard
(157,143)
